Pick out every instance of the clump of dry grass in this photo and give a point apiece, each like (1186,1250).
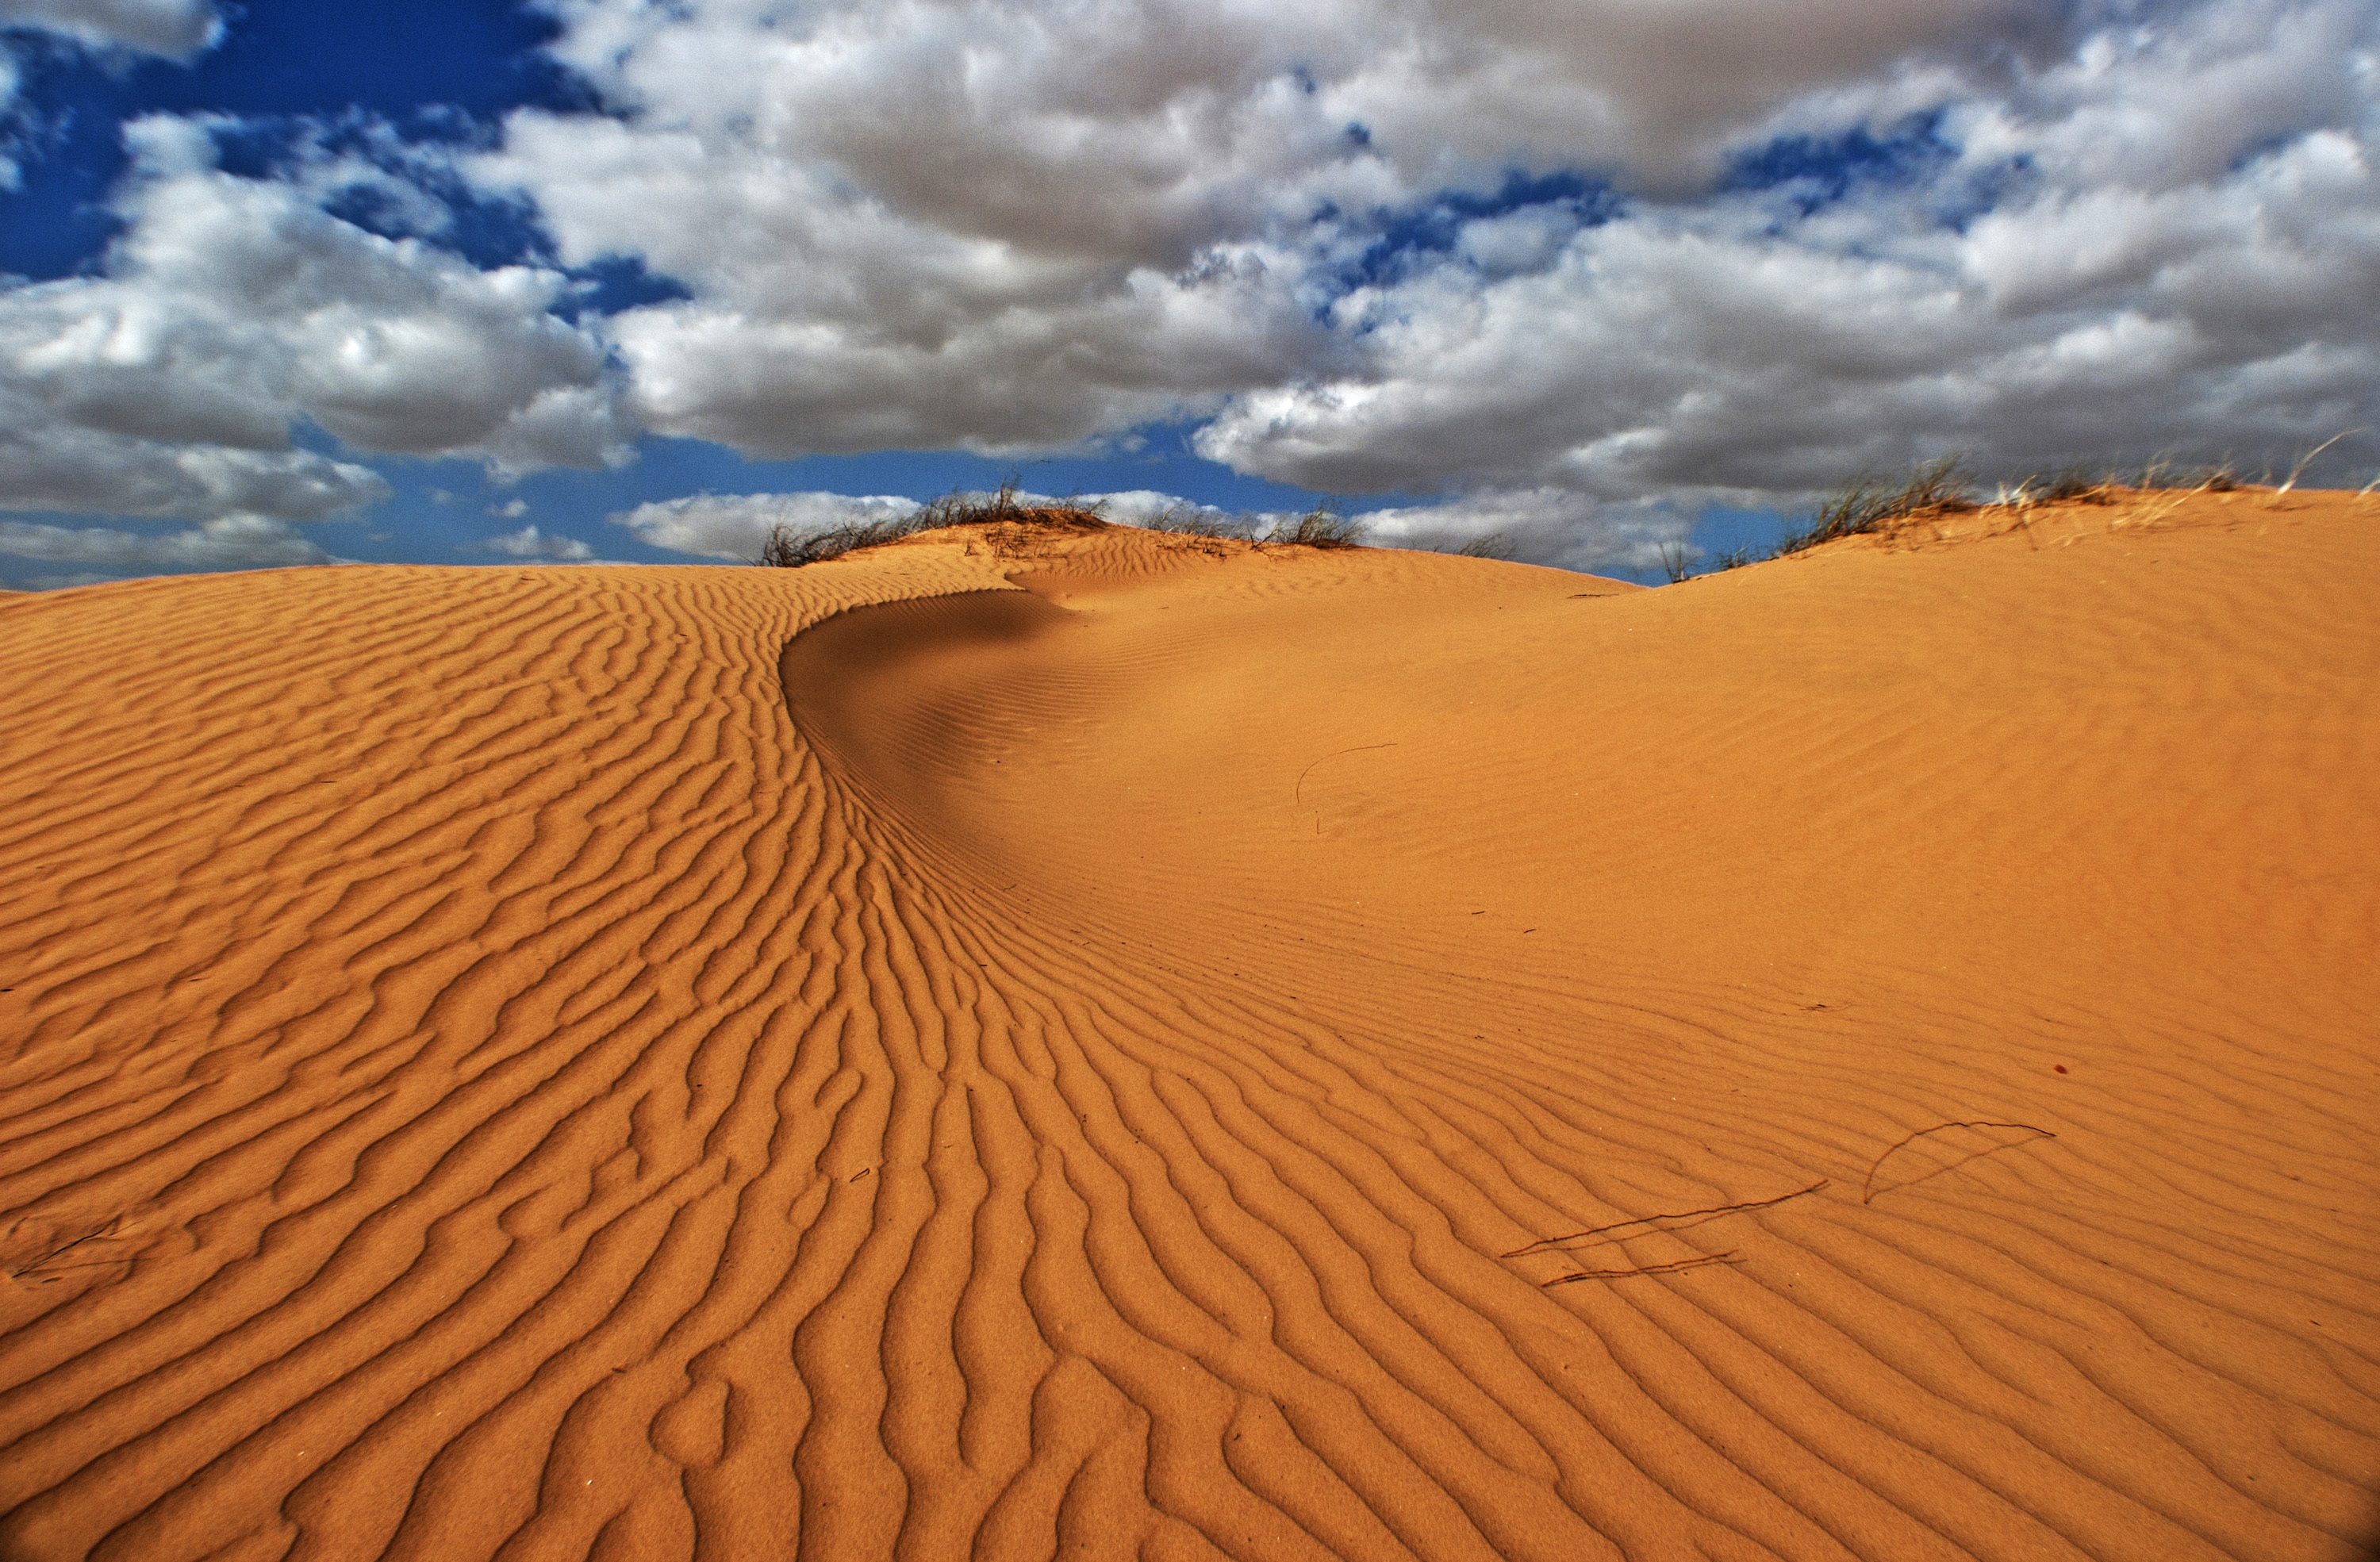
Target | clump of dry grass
(787,549)
(1868,503)
(1321,527)
(999,512)
(2073,485)
(2306,460)
(1008,525)
(1192,520)
(2081,485)
(1489,545)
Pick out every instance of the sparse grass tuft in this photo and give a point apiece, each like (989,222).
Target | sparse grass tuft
(2082,485)
(1677,559)
(1319,528)
(2306,460)
(1011,526)
(1867,503)
(1191,520)
(2077,485)
(1489,545)
(2220,477)
(786,549)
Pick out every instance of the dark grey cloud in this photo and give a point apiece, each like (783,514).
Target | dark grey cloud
(244,542)
(176,29)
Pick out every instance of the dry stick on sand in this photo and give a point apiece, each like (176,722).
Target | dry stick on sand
(1649,1269)
(1551,1244)
(1867,1189)
(108,1231)
(1298,796)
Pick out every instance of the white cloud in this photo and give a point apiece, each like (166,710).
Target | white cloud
(512,511)
(1016,225)
(50,463)
(231,310)
(176,29)
(529,543)
(735,526)
(1556,262)
(1539,526)
(245,542)
(1140,506)
(1736,347)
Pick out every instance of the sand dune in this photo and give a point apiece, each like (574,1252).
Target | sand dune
(1083,1042)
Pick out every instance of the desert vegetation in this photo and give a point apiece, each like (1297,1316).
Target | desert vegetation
(1871,503)
(1867,504)
(1009,520)
(788,549)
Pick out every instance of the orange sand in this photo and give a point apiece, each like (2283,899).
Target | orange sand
(490,1070)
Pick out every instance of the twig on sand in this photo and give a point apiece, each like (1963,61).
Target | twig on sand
(1552,1244)
(1298,796)
(1647,1269)
(1867,1189)
(107,1231)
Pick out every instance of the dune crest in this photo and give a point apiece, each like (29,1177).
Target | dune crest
(1081,1043)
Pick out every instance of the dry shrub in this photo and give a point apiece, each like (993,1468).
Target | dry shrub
(1319,528)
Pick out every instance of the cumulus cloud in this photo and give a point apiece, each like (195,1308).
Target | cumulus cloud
(2194,288)
(1142,506)
(530,543)
(231,310)
(1539,525)
(1722,249)
(244,542)
(47,463)
(174,30)
(1706,353)
(735,526)
(1579,269)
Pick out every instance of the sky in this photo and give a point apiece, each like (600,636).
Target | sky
(462,281)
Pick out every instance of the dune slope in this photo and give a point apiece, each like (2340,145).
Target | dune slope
(1099,1045)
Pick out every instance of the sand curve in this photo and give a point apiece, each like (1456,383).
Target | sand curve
(1099,1045)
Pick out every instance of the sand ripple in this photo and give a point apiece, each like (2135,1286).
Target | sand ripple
(1298,1055)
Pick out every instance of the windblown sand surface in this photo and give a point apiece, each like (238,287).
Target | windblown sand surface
(1278,1054)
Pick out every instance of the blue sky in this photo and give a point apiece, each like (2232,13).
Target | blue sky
(455,282)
